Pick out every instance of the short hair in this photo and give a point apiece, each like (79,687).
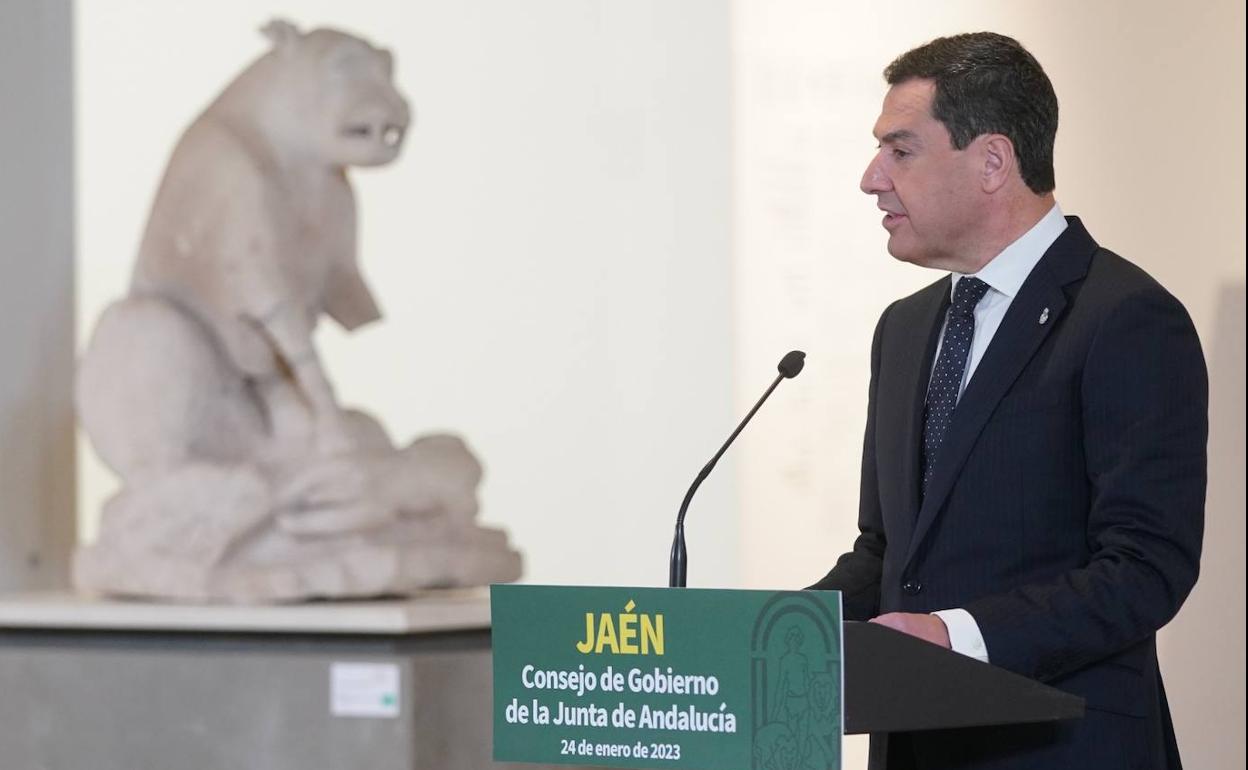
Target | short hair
(989,84)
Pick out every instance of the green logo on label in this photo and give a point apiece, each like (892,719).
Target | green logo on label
(795,685)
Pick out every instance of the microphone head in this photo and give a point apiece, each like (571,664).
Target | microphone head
(792,363)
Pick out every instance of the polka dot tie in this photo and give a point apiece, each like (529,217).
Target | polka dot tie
(942,392)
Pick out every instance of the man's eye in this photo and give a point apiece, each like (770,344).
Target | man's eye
(900,154)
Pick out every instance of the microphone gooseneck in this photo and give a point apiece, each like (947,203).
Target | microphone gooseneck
(790,366)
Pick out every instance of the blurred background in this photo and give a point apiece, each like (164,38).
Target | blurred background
(611,219)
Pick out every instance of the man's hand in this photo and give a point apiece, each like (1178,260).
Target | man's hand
(929,628)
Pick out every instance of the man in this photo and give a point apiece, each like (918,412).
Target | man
(1033,471)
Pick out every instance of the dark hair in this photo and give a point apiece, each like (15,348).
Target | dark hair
(989,84)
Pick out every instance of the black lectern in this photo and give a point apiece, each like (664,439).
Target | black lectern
(895,682)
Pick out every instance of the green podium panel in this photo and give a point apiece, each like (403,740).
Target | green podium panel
(667,678)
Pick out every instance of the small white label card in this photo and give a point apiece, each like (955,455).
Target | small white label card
(364,690)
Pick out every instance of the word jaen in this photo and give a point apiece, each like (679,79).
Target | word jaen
(627,633)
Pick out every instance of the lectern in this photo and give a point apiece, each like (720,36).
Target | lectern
(895,683)
(639,677)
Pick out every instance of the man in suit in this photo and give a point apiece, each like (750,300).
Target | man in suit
(1033,473)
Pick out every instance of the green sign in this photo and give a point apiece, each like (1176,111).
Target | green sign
(667,678)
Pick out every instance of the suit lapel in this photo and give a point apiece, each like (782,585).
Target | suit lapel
(1015,343)
(918,358)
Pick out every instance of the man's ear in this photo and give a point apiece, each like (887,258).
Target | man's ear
(999,161)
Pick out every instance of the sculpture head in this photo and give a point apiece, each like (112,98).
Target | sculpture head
(336,96)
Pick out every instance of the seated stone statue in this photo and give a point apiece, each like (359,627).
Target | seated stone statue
(243,478)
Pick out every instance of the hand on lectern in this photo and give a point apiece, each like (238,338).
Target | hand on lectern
(929,628)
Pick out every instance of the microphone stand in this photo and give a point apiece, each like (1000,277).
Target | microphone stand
(678,566)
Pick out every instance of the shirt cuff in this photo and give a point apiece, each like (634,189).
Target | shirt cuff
(964,634)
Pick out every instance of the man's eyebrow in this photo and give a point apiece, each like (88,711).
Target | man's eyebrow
(901,135)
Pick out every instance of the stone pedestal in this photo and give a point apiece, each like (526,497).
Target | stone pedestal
(107,685)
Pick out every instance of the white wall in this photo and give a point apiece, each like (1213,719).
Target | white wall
(1150,153)
(551,250)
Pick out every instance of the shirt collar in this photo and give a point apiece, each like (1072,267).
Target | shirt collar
(1006,272)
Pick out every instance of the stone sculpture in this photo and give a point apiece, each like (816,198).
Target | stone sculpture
(243,478)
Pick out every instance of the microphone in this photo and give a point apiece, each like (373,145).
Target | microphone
(790,366)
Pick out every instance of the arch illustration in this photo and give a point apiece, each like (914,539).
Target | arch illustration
(795,683)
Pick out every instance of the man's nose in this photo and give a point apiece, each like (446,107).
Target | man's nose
(874,180)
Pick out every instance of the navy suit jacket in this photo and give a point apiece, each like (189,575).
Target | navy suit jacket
(1065,511)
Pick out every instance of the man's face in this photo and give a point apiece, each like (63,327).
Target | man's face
(929,191)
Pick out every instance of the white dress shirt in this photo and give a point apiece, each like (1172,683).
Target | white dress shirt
(1004,275)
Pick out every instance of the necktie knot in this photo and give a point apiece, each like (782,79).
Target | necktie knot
(967,294)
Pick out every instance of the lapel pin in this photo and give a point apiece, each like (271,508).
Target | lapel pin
(1044,316)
